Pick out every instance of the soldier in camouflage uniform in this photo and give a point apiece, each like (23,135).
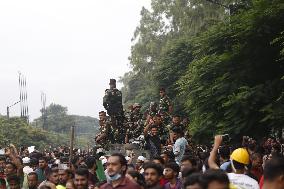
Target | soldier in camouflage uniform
(135,124)
(151,112)
(163,131)
(136,115)
(104,123)
(165,106)
(112,102)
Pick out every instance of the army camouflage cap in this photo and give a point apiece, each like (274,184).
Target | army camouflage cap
(112,81)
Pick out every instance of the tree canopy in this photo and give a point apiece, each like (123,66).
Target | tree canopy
(16,131)
(223,67)
(58,120)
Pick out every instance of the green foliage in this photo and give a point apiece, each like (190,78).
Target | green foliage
(225,72)
(18,132)
(57,120)
(159,32)
(175,59)
(234,83)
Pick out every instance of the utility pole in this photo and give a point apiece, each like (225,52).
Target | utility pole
(8,116)
(43,110)
(8,109)
(72,143)
(23,97)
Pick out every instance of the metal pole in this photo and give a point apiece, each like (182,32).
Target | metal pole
(71,145)
(8,116)
(8,109)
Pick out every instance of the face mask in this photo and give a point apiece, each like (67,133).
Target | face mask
(113,177)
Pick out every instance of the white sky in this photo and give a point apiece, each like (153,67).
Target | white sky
(68,49)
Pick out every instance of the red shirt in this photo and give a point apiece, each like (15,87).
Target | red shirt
(257,172)
(163,181)
(261,182)
(126,183)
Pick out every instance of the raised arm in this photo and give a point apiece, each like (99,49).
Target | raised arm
(213,154)
(146,129)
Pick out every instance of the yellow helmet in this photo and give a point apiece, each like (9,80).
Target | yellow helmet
(240,155)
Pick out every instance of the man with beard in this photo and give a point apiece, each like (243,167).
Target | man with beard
(81,178)
(153,141)
(42,169)
(153,173)
(115,174)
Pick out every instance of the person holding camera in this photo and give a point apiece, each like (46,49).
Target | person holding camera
(239,160)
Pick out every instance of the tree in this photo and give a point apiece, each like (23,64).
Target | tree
(234,83)
(19,133)
(168,21)
(59,121)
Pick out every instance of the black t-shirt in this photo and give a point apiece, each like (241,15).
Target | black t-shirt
(153,143)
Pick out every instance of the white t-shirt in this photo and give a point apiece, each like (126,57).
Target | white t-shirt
(242,181)
(179,147)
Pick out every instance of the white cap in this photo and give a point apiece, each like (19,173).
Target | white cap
(127,158)
(27,170)
(26,160)
(31,149)
(100,150)
(104,161)
(141,158)
(102,157)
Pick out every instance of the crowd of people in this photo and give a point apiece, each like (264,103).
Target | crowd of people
(251,165)
(174,161)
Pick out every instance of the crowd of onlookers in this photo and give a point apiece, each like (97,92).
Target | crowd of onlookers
(250,165)
(173,161)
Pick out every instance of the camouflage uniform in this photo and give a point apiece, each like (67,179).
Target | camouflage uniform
(104,129)
(116,135)
(152,111)
(163,132)
(135,124)
(164,105)
(112,102)
(163,110)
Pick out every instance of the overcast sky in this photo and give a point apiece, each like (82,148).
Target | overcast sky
(68,49)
